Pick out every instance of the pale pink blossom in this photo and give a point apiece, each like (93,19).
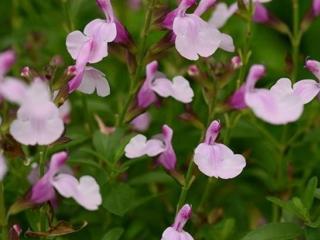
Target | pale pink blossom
(316,7)
(176,232)
(94,80)
(279,105)
(308,89)
(38,119)
(157,83)
(159,146)
(216,159)
(222,13)
(7,59)
(84,191)
(3,167)
(194,37)
(13,90)
(142,122)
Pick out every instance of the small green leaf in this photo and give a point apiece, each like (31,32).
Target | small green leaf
(109,146)
(119,199)
(114,234)
(275,231)
(309,193)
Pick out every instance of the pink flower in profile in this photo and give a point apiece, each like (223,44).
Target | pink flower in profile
(122,35)
(279,105)
(13,90)
(237,100)
(157,83)
(176,232)
(94,80)
(222,13)
(216,159)
(142,122)
(85,192)
(7,59)
(87,79)
(316,7)
(308,89)
(38,119)
(194,36)
(159,146)
(3,167)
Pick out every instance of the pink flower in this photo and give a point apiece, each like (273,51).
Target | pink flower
(94,80)
(237,100)
(316,7)
(159,146)
(85,192)
(261,14)
(3,167)
(38,120)
(7,59)
(194,36)
(122,35)
(223,13)
(176,232)
(142,122)
(13,90)
(215,159)
(308,89)
(90,50)
(279,105)
(157,82)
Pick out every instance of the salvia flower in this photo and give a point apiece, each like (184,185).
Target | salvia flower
(91,50)
(237,100)
(279,105)
(7,59)
(316,7)
(308,89)
(84,191)
(3,167)
(156,83)
(38,118)
(216,159)
(122,35)
(194,37)
(159,146)
(142,122)
(176,232)
(222,13)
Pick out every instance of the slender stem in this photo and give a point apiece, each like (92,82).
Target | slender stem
(42,162)
(245,54)
(3,219)
(295,39)
(141,54)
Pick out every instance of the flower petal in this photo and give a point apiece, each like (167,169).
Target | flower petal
(181,90)
(92,80)
(307,90)
(75,40)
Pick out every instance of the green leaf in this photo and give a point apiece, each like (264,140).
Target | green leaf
(309,193)
(109,146)
(119,199)
(114,234)
(275,231)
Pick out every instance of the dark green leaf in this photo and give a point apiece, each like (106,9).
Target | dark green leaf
(114,234)
(275,231)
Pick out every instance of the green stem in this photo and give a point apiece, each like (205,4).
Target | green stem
(245,54)
(141,54)
(3,218)
(295,39)
(42,162)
